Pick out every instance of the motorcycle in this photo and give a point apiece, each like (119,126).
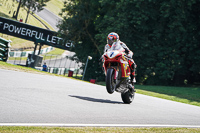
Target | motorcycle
(117,72)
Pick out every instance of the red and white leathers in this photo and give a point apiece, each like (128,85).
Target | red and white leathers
(129,54)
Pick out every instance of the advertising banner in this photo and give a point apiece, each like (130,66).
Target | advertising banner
(32,33)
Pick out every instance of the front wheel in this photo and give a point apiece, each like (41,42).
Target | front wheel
(110,84)
(127,96)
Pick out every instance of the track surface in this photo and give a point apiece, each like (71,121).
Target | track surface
(35,98)
(49,17)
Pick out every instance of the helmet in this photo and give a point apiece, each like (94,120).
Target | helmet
(112,37)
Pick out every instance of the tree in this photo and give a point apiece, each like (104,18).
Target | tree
(18,7)
(162,34)
(79,27)
(31,5)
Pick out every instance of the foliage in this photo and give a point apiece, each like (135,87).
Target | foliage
(55,6)
(7,8)
(81,30)
(162,34)
(32,5)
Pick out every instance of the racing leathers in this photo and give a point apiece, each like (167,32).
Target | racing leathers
(130,61)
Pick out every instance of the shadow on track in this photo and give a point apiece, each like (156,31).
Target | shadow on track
(96,100)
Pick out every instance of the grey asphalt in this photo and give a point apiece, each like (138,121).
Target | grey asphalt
(49,17)
(34,98)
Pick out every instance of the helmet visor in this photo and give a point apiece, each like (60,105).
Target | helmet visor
(110,40)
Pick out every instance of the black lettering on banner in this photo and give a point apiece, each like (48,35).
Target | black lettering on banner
(32,33)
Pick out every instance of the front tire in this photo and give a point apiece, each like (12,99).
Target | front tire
(127,96)
(110,85)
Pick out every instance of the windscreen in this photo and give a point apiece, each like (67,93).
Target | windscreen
(117,46)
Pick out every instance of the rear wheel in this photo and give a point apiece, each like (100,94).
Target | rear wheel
(127,96)
(110,84)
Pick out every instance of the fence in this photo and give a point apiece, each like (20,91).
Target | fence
(62,64)
(58,64)
(25,53)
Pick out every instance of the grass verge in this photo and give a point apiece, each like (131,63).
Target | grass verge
(30,129)
(188,95)
(7,66)
(57,51)
(5,129)
(53,54)
(55,6)
(7,9)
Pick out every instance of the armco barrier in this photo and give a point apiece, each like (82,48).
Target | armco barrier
(61,71)
(25,53)
(55,70)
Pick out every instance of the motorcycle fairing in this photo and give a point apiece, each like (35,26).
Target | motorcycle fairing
(116,57)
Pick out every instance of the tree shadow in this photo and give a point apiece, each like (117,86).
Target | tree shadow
(96,100)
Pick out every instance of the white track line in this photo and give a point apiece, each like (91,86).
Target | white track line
(97,125)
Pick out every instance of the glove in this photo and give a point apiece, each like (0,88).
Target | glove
(130,54)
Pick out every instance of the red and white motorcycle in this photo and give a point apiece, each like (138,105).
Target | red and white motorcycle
(117,71)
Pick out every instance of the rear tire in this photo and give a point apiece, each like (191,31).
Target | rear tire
(127,96)
(110,85)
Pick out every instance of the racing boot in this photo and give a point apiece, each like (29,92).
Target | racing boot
(134,80)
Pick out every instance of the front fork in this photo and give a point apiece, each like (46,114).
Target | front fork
(115,73)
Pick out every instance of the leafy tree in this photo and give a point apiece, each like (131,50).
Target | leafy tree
(18,7)
(32,5)
(79,27)
(162,34)
(159,33)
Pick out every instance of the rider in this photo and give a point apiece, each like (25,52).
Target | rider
(114,37)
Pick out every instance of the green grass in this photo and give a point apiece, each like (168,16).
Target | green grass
(53,54)
(19,129)
(188,95)
(7,66)
(55,6)
(7,6)
(7,129)
(57,51)
(17,58)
